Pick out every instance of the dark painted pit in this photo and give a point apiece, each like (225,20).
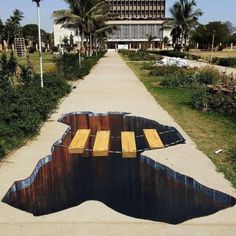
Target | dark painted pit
(140,187)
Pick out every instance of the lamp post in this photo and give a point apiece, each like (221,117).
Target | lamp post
(213,43)
(40,42)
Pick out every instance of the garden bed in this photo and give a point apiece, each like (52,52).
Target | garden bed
(211,131)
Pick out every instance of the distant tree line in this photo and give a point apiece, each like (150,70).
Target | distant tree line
(186,29)
(223,33)
(11,29)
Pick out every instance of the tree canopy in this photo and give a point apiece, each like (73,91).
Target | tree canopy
(86,17)
(203,34)
(185,17)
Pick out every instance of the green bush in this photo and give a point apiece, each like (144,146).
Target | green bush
(204,99)
(7,70)
(200,98)
(208,75)
(139,55)
(232,156)
(23,109)
(186,80)
(27,74)
(227,62)
(68,66)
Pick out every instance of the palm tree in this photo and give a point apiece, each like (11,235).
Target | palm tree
(184,19)
(81,16)
(166,41)
(176,35)
(150,39)
(1,31)
(12,27)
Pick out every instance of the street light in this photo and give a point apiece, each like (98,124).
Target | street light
(213,43)
(40,43)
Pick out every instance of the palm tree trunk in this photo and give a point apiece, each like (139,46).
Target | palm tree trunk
(91,44)
(96,44)
(82,39)
(87,50)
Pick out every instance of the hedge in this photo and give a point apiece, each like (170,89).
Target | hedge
(227,62)
(139,55)
(179,54)
(68,66)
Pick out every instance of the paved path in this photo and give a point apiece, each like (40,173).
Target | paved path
(228,70)
(111,86)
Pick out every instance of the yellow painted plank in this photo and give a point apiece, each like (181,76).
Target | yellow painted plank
(79,141)
(153,138)
(128,144)
(101,144)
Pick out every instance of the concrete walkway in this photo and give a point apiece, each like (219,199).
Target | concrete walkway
(230,71)
(111,86)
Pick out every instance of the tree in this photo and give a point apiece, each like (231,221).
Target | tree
(1,31)
(184,19)
(166,41)
(204,33)
(30,33)
(12,26)
(48,39)
(150,39)
(230,27)
(176,35)
(232,39)
(83,16)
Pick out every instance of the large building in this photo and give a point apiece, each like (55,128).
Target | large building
(136,19)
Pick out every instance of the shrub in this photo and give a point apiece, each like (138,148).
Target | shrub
(180,80)
(227,62)
(68,66)
(139,55)
(199,99)
(24,108)
(219,102)
(232,156)
(7,70)
(208,75)
(27,74)
(223,103)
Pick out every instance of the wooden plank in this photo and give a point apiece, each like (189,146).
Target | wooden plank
(101,144)
(153,138)
(79,141)
(128,144)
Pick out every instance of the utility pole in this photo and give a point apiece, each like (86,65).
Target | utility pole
(40,42)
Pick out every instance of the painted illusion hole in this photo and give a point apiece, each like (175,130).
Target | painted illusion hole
(133,185)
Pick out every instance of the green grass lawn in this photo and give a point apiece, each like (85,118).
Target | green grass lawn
(48,61)
(210,131)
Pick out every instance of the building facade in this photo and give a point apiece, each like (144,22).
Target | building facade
(136,19)
(60,33)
